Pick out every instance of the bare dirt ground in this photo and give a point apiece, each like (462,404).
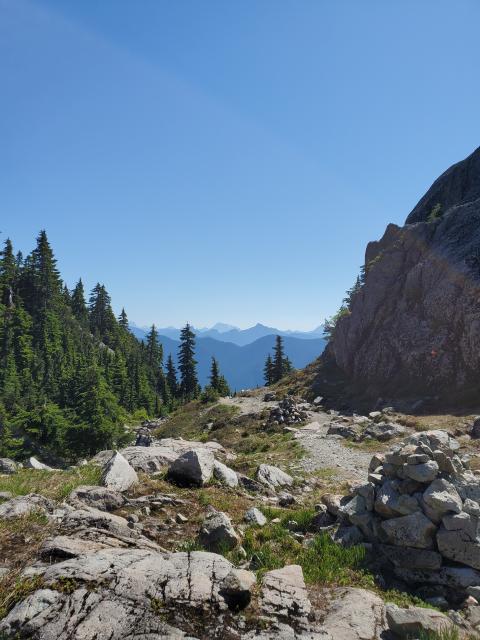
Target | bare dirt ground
(322,452)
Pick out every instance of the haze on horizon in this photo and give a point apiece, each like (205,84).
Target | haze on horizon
(212,161)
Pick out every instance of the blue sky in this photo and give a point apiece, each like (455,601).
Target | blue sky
(227,160)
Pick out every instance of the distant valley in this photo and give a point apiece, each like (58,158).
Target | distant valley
(241,353)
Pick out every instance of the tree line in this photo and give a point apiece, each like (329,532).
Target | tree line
(71,372)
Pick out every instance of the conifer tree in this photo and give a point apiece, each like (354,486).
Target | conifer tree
(78,304)
(102,319)
(278,359)
(8,275)
(123,320)
(217,381)
(268,371)
(214,373)
(278,366)
(172,382)
(189,387)
(154,348)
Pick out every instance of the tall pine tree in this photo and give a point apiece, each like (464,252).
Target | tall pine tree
(189,387)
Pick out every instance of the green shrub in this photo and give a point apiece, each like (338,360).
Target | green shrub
(436,213)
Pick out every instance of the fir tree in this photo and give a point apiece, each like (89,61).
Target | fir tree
(172,382)
(102,319)
(8,275)
(78,304)
(189,387)
(278,359)
(123,320)
(154,348)
(268,371)
(217,381)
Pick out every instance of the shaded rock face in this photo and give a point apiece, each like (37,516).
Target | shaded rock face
(414,327)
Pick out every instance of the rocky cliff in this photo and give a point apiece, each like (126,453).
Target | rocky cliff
(413,328)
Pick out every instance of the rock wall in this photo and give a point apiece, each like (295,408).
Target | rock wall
(420,510)
(414,327)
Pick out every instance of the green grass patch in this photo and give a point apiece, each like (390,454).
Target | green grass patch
(51,484)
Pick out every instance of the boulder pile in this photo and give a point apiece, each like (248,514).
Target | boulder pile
(289,411)
(420,510)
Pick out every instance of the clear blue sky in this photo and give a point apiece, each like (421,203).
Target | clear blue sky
(228,159)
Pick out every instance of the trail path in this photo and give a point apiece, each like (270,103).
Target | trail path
(321,451)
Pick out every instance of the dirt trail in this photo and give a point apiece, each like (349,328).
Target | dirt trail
(321,451)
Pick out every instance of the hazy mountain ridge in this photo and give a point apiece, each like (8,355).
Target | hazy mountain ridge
(229,333)
(241,365)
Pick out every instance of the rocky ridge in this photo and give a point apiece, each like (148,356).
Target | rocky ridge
(411,334)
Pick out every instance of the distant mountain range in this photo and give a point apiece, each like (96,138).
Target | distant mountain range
(242,364)
(240,337)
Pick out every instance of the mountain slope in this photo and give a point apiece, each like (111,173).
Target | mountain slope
(413,328)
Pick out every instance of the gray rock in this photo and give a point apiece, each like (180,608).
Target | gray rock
(406,623)
(224,474)
(356,506)
(112,596)
(348,536)
(463,522)
(415,530)
(24,505)
(8,466)
(6,495)
(236,588)
(217,532)
(409,558)
(458,578)
(425,472)
(97,497)
(367,491)
(386,499)
(383,431)
(458,546)
(355,614)
(194,467)
(255,516)
(33,463)
(118,474)
(343,430)
(322,518)
(250,485)
(273,476)
(333,502)
(442,497)
(284,593)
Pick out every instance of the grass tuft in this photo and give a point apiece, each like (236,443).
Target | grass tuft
(52,484)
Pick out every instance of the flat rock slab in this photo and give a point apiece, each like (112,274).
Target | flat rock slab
(97,497)
(284,593)
(117,594)
(406,623)
(24,505)
(273,476)
(355,614)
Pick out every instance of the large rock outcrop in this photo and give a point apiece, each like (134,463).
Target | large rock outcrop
(413,328)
